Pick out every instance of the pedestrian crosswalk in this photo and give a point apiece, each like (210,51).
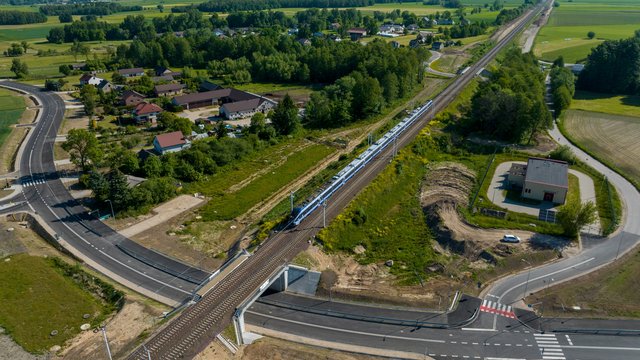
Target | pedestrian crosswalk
(28,183)
(493,307)
(549,347)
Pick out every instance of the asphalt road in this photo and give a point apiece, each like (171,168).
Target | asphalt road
(512,341)
(101,247)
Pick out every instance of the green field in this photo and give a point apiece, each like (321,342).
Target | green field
(610,138)
(11,108)
(566,32)
(626,105)
(37,299)
(229,205)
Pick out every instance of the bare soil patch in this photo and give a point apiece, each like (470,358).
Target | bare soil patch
(275,349)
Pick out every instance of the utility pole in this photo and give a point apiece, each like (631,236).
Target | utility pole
(113,214)
(106,341)
(291,197)
(147,350)
(526,285)
(324,213)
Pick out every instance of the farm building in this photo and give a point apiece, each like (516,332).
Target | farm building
(168,89)
(541,179)
(105,86)
(437,45)
(162,78)
(133,72)
(170,142)
(245,108)
(132,98)
(214,97)
(164,71)
(145,111)
(357,33)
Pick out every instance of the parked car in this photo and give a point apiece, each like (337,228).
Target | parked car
(510,238)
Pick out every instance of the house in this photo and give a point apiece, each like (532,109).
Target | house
(170,142)
(437,45)
(541,179)
(412,27)
(163,78)
(105,86)
(131,72)
(164,71)
(146,112)
(245,108)
(334,26)
(88,79)
(131,98)
(318,34)
(391,29)
(577,68)
(445,22)
(168,89)
(304,42)
(292,31)
(209,86)
(424,36)
(357,33)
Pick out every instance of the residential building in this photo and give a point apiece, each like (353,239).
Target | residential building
(78,66)
(132,98)
(334,26)
(168,89)
(541,179)
(413,27)
(209,86)
(446,22)
(105,86)
(304,42)
(88,79)
(170,142)
(437,45)
(245,108)
(392,28)
(133,72)
(357,33)
(162,78)
(146,112)
(164,71)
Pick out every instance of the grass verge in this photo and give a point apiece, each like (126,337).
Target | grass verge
(11,108)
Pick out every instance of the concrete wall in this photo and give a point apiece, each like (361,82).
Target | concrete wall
(536,191)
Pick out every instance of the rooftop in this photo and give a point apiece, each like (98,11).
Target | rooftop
(168,87)
(548,171)
(171,139)
(147,108)
(243,105)
(130,71)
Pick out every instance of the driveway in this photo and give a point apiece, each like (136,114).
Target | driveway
(499,183)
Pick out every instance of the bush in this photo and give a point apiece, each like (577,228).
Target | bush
(564,153)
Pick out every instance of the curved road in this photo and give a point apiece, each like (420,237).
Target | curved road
(90,240)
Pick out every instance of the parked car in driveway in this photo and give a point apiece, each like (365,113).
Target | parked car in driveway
(510,238)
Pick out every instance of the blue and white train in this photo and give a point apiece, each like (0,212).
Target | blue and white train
(361,161)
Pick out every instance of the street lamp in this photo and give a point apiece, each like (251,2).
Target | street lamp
(526,284)
(113,215)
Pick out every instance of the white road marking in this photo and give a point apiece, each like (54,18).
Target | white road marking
(345,330)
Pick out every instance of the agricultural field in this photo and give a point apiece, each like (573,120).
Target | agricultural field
(613,138)
(566,32)
(626,105)
(11,108)
(54,302)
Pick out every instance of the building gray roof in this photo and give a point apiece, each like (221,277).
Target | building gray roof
(232,94)
(548,172)
(167,88)
(244,105)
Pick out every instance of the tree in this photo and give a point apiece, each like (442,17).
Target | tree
(160,8)
(65,69)
(99,184)
(19,68)
(591,35)
(25,46)
(171,122)
(318,111)
(14,50)
(65,18)
(574,215)
(221,130)
(83,147)
(119,192)
(79,48)
(89,98)
(559,61)
(285,117)
(152,167)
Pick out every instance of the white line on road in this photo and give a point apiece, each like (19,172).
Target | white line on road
(345,330)
(543,277)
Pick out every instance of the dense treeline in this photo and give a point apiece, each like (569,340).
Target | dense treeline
(259,19)
(562,88)
(26,2)
(241,5)
(98,8)
(507,15)
(511,105)
(21,17)
(466,30)
(613,67)
(382,76)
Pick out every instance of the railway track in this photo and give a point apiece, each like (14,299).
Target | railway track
(188,334)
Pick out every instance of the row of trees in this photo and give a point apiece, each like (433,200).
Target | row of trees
(11,17)
(242,5)
(94,8)
(562,88)
(613,67)
(511,105)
